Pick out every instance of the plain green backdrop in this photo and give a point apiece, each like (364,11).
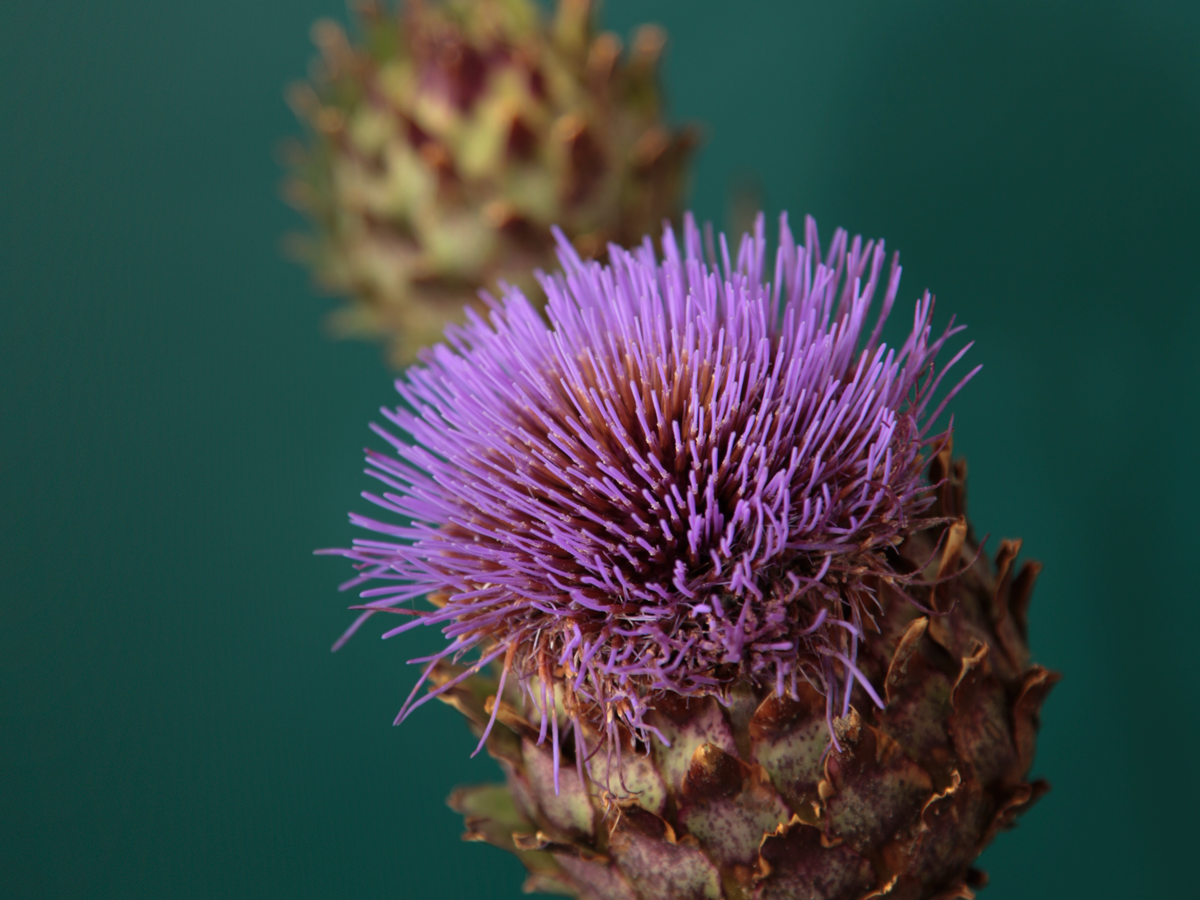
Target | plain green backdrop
(178,434)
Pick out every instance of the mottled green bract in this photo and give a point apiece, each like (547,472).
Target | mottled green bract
(448,138)
(749,801)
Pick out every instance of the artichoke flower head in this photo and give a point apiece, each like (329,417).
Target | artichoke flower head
(708,589)
(448,139)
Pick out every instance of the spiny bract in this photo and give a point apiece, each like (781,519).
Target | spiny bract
(698,523)
(447,141)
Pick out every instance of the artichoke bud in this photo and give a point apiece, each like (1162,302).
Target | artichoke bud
(449,136)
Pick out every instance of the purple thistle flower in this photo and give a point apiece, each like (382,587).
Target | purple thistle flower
(691,475)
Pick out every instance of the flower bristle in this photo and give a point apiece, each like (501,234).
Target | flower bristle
(691,472)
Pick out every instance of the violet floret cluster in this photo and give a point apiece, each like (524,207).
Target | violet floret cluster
(688,471)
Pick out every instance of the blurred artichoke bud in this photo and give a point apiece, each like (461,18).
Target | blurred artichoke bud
(447,140)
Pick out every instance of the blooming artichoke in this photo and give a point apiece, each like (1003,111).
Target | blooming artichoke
(445,144)
(733,636)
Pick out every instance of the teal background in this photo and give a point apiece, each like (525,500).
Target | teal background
(177,433)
